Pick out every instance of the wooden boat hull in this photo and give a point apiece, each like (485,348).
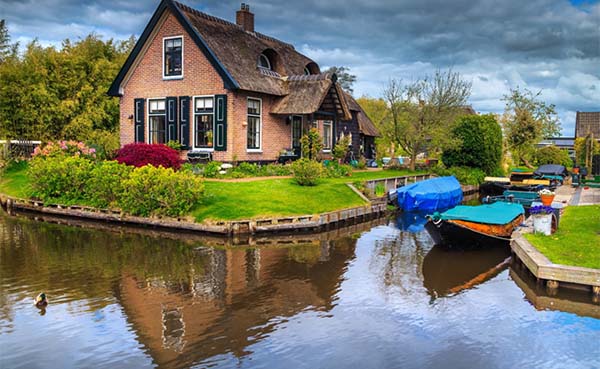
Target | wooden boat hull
(465,234)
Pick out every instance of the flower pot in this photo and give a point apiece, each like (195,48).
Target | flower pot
(542,223)
(547,199)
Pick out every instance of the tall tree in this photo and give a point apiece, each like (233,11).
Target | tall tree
(345,79)
(7,49)
(422,113)
(526,121)
(376,109)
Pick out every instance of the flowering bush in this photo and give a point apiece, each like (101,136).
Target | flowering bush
(140,154)
(541,210)
(545,192)
(68,148)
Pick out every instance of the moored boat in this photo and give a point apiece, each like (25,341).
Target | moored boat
(475,226)
(430,195)
(525,198)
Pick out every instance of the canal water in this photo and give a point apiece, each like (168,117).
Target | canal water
(377,295)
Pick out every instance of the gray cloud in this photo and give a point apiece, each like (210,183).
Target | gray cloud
(548,45)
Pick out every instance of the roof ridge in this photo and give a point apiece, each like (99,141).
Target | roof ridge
(309,77)
(227,23)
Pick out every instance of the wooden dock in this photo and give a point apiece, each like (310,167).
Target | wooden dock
(554,275)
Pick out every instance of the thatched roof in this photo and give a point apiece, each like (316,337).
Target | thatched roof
(238,50)
(365,125)
(311,94)
(586,123)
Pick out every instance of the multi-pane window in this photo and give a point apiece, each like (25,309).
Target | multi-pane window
(173,58)
(327,134)
(203,122)
(254,124)
(157,122)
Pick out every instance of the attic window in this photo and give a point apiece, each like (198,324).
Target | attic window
(263,62)
(311,68)
(173,57)
(306,71)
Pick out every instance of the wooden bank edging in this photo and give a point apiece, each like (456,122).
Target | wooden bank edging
(252,226)
(554,274)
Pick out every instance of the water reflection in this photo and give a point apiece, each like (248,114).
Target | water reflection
(339,299)
(411,221)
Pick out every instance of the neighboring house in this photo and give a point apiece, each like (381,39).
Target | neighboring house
(223,89)
(586,123)
(567,143)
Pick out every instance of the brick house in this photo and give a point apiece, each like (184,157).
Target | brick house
(223,90)
(587,123)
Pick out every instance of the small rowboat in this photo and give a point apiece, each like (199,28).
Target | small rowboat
(475,226)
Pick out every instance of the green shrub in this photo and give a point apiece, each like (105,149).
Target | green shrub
(211,169)
(175,145)
(379,190)
(105,183)
(335,170)
(59,176)
(340,150)
(362,163)
(277,170)
(481,144)
(306,172)
(311,144)
(158,191)
(106,143)
(552,155)
(465,175)
(249,169)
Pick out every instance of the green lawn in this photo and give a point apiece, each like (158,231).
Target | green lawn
(256,199)
(577,241)
(14,181)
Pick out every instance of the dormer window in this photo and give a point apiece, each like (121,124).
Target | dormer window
(263,62)
(173,57)
(311,68)
(306,71)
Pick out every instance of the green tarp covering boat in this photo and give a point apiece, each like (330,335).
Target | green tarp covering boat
(496,213)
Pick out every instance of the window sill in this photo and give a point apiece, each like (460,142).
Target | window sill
(202,149)
(168,78)
(327,151)
(254,151)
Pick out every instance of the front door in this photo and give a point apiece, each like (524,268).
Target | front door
(296,134)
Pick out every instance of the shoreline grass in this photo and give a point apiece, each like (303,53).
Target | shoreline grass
(246,200)
(577,240)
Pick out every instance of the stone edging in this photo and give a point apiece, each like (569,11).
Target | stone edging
(543,269)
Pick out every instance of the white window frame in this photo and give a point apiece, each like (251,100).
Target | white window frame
(182,57)
(194,147)
(292,128)
(260,120)
(148,115)
(330,124)
(269,66)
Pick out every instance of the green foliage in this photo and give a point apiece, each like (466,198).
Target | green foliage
(526,121)
(59,177)
(552,155)
(480,144)
(158,191)
(379,190)
(106,143)
(336,170)
(581,147)
(64,148)
(211,169)
(175,145)
(311,144)
(465,175)
(50,94)
(362,163)
(344,78)
(340,150)
(105,183)
(306,172)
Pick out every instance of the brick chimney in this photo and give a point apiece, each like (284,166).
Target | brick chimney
(244,18)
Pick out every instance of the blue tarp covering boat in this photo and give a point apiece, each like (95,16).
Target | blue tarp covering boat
(429,195)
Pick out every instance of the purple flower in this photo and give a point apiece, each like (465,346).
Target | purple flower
(541,209)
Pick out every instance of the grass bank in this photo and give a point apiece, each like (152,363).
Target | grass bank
(577,241)
(256,199)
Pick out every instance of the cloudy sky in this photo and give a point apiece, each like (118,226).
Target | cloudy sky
(547,45)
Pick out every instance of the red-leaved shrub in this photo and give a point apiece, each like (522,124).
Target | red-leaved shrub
(140,154)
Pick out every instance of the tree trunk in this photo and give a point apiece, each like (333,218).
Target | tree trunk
(527,164)
(413,160)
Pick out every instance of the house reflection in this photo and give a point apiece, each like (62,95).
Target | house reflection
(238,298)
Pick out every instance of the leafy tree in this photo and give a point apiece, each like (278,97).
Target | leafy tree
(552,155)
(423,112)
(526,121)
(345,79)
(377,110)
(480,144)
(585,146)
(311,144)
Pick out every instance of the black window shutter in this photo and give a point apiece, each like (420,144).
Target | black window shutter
(220,122)
(138,126)
(172,119)
(184,122)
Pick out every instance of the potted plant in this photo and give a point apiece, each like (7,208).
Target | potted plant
(542,219)
(546,196)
